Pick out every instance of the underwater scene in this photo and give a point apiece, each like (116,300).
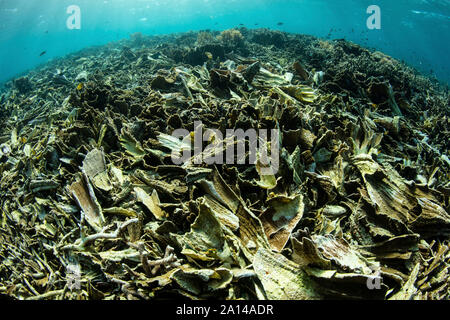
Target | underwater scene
(224,150)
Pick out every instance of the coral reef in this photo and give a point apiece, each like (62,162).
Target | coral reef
(89,183)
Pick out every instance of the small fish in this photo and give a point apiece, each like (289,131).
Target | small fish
(80,86)
(280,23)
(42,53)
(46,31)
(256,24)
(209,55)
(241,24)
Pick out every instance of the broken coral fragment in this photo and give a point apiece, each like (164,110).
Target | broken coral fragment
(280,218)
(151,202)
(283,279)
(198,281)
(206,241)
(84,194)
(132,147)
(394,198)
(95,168)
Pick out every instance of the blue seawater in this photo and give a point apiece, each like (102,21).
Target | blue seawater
(33,32)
